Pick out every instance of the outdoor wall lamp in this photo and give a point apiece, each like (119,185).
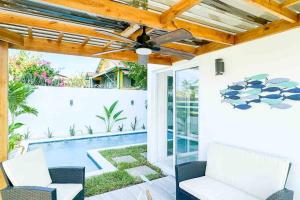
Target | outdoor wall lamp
(220,66)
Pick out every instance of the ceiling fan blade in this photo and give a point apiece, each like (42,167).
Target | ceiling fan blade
(177,53)
(113,51)
(125,39)
(143,59)
(174,36)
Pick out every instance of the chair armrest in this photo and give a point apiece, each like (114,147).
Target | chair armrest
(284,194)
(190,170)
(67,175)
(28,192)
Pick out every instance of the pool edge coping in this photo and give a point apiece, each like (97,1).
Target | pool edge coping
(26,143)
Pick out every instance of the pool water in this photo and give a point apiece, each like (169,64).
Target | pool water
(74,152)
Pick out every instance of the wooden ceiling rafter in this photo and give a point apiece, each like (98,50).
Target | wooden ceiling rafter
(288,3)
(68,48)
(276,9)
(60,37)
(11,37)
(30,34)
(177,9)
(114,10)
(260,32)
(9,17)
(126,33)
(85,42)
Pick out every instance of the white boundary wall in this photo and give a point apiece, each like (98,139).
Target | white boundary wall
(55,111)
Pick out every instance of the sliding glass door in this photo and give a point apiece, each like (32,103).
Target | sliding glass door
(186,115)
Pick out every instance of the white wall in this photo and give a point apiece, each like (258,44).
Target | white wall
(267,130)
(157,113)
(55,112)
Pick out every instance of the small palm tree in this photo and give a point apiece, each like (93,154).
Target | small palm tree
(111,117)
(17,97)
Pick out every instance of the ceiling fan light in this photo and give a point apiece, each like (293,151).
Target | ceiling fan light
(143,51)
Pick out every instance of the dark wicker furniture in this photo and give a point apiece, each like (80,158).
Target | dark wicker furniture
(75,175)
(197,169)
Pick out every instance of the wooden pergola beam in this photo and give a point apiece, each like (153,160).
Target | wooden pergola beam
(126,33)
(177,9)
(260,32)
(121,12)
(50,24)
(51,46)
(11,37)
(266,30)
(288,3)
(275,9)
(3,106)
(59,26)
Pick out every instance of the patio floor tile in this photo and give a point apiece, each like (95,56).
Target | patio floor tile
(124,159)
(141,170)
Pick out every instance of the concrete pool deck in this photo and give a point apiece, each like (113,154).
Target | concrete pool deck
(160,189)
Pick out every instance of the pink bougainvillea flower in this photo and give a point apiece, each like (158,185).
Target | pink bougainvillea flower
(49,81)
(44,74)
(35,74)
(43,62)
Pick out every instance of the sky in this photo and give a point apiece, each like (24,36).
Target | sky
(66,64)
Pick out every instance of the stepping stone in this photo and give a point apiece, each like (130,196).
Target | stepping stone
(144,154)
(124,159)
(141,170)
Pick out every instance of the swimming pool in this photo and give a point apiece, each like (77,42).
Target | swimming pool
(73,152)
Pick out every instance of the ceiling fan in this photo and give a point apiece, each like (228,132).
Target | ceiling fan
(144,45)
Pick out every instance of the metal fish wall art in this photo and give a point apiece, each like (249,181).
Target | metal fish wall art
(275,92)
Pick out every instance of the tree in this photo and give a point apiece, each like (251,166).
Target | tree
(17,97)
(138,73)
(111,117)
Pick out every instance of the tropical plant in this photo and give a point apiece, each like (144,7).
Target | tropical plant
(13,140)
(26,134)
(138,73)
(17,97)
(41,74)
(19,62)
(49,133)
(33,70)
(121,127)
(89,130)
(111,117)
(134,124)
(143,127)
(77,81)
(72,130)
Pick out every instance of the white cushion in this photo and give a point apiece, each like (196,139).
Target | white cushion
(255,173)
(66,191)
(29,169)
(206,188)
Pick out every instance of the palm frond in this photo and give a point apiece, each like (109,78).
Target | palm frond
(112,107)
(117,114)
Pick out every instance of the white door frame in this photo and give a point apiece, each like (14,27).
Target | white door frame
(183,66)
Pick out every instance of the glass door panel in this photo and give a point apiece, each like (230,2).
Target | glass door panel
(186,115)
(170,135)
